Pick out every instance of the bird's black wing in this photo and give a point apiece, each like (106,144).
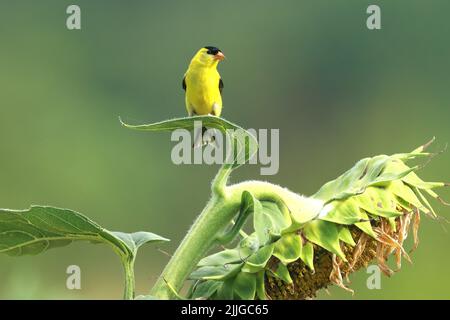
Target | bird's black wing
(184,83)
(220,85)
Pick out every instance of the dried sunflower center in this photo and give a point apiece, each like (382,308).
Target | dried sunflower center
(329,269)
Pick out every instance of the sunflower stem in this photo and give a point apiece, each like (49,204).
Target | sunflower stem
(220,181)
(214,219)
(199,240)
(129,279)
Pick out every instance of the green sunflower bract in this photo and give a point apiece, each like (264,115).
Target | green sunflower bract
(364,214)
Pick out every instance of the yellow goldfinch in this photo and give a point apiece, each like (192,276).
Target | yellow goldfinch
(203,84)
(203,87)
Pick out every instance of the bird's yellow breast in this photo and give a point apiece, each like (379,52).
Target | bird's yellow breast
(202,91)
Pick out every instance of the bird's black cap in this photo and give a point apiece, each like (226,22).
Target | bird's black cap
(212,50)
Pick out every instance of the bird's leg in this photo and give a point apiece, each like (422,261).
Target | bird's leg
(210,137)
(199,139)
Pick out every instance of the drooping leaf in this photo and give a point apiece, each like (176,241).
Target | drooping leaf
(244,286)
(227,256)
(269,221)
(377,171)
(394,170)
(206,289)
(413,179)
(260,285)
(307,255)
(251,242)
(289,248)
(366,227)
(244,142)
(282,273)
(342,212)
(216,272)
(280,219)
(258,260)
(246,209)
(403,191)
(346,236)
(39,228)
(378,201)
(225,292)
(324,234)
(425,201)
(354,181)
(262,222)
(302,210)
(136,239)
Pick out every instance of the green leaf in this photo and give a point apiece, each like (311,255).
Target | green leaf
(332,189)
(379,202)
(226,256)
(394,170)
(216,272)
(136,239)
(247,208)
(366,227)
(251,242)
(262,222)
(39,228)
(404,191)
(260,285)
(289,248)
(282,273)
(307,255)
(346,236)
(206,289)
(225,292)
(425,202)
(381,198)
(279,219)
(324,234)
(244,286)
(185,123)
(413,179)
(374,169)
(342,212)
(367,172)
(245,143)
(354,180)
(258,260)
(268,221)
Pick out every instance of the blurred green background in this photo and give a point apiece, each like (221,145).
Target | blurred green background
(337,92)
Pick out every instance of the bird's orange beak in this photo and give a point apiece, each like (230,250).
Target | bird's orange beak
(219,56)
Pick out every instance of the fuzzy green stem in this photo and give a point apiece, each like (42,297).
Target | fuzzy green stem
(128,266)
(210,224)
(199,240)
(220,181)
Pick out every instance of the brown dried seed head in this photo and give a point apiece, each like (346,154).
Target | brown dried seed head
(307,282)
(330,269)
